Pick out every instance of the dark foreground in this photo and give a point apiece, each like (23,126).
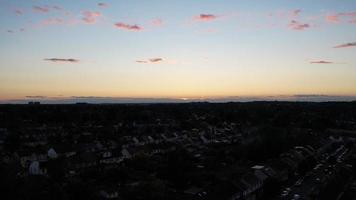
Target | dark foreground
(259,150)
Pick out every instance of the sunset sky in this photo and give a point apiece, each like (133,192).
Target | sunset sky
(74,49)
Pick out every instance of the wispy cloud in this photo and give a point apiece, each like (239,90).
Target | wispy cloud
(351,44)
(150,60)
(41,9)
(57,7)
(310,95)
(90,17)
(18,11)
(129,27)
(332,18)
(285,14)
(339,17)
(52,21)
(205,17)
(103,5)
(295,25)
(208,31)
(295,13)
(321,62)
(141,61)
(36,97)
(57,21)
(157,22)
(88,97)
(62,60)
(348,14)
(154,60)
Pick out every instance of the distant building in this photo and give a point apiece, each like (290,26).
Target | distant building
(35,169)
(81,103)
(34,103)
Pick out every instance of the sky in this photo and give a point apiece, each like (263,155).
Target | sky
(110,50)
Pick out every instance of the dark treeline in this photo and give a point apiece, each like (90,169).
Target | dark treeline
(279,113)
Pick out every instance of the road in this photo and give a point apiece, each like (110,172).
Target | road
(313,180)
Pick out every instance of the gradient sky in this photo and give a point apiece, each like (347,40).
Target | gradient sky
(176,49)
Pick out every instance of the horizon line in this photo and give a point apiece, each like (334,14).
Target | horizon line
(145,100)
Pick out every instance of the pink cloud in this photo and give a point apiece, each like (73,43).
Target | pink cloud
(52,21)
(57,21)
(103,5)
(348,14)
(211,30)
(321,62)
(41,9)
(332,18)
(157,22)
(285,14)
(129,27)
(295,25)
(351,44)
(205,17)
(335,18)
(90,17)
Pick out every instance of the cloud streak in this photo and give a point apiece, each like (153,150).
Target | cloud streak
(40,9)
(18,12)
(150,60)
(348,14)
(154,60)
(339,17)
(103,5)
(205,17)
(295,13)
(57,7)
(52,21)
(347,45)
(321,62)
(157,22)
(141,61)
(36,97)
(295,25)
(332,18)
(128,27)
(62,60)
(88,97)
(90,17)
